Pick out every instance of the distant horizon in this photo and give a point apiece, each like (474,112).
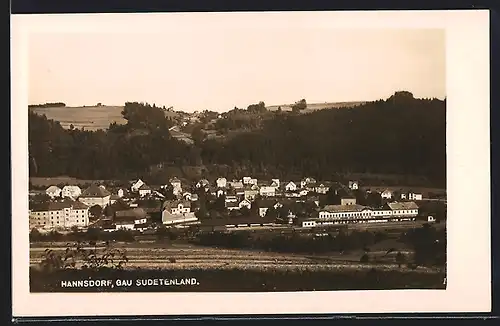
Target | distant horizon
(200,110)
(204,65)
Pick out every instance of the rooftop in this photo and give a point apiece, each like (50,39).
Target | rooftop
(402,205)
(95,191)
(344,208)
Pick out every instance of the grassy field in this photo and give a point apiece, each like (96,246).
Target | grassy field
(88,117)
(49,181)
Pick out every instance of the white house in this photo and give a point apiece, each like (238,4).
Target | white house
(120,193)
(53,191)
(308,223)
(386,194)
(307,181)
(72,192)
(136,185)
(275,183)
(187,195)
(291,186)
(431,219)
(220,192)
(414,196)
(177,207)
(267,191)
(95,195)
(245,203)
(303,192)
(203,183)
(221,182)
(176,185)
(235,184)
(61,214)
(231,199)
(246,180)
(144,190)
(130,219)
(263,211)
(253,181)
(321,189)
(353,185)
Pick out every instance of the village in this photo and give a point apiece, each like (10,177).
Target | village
(238,204)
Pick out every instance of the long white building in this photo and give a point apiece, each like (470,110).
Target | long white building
(63,214)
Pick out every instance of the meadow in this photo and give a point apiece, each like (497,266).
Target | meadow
(88,117)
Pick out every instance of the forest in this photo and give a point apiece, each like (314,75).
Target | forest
(401,135)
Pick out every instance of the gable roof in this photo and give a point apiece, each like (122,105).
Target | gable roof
(130,214)
(95,191)
(344,208)
(169,204)
(144,187)
(53,189)
(402,205)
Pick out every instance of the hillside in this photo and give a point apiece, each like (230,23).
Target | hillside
(398,136)
(100,117)
(87,117)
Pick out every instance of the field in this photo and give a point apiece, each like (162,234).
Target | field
(316,106)
(49,181)
(240,270)
(88,117)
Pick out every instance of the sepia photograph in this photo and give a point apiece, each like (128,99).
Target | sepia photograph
(230,156)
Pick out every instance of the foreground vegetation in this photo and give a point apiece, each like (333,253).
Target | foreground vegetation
(212,280)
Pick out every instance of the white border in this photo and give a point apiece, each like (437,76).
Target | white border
(469,276)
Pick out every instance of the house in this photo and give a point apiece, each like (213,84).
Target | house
(187,195)
(291,186)
(245,203)
(178,219)
(303,192)
(136,185)
(235,184)
(113,199)
(246,180)
(251,192)
(403,209)
(230,206)
(263,211)
(120,193)
(307,181)
(321,189)
(177,207)
(431,219)
(344,213)
(194,197)
(53,191)
(131,219)
(275,183)
(267,191)
(221,182)
(308,223)
(220,192)
(414,196)
(144,190)
(203,183)
(386,194)
(72,192)
(62,214)
(253,182)
(231,199)
(348,200)
(177,186)
(95,195)
(353,185)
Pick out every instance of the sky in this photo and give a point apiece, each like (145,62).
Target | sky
(199,67)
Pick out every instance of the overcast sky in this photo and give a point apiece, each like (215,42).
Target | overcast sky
(201,67)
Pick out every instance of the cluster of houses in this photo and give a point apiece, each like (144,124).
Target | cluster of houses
(70,206)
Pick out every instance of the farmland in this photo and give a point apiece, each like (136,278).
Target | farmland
(225,269)
(311,107)
(88,117)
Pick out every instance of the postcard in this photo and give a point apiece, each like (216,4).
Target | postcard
(250,163)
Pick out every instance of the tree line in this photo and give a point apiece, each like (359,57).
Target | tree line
(400,135)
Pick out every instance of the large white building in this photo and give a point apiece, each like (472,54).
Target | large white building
(61,214)
(95,195)
(340,214)
(72,192)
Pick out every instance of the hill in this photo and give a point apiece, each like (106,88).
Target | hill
(399,136)
(316,106)
(87,117)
